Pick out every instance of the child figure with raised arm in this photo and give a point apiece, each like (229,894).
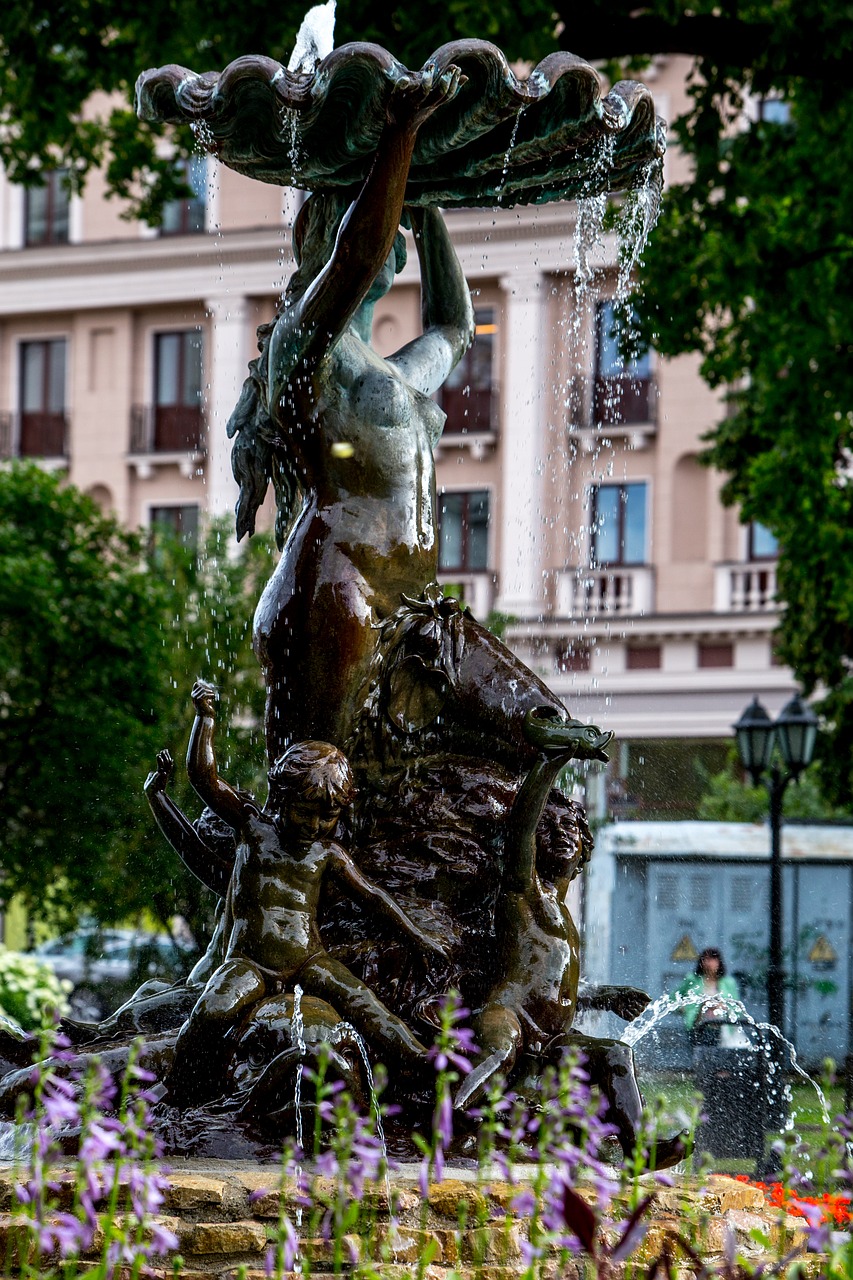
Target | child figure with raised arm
(273,941)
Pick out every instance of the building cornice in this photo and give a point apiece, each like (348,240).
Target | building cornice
(255,262)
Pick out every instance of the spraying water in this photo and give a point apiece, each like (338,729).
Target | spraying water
(315,39)
(736,1013)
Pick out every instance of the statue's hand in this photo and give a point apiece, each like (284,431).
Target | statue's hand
(205,698)
(416,96)
(160,777)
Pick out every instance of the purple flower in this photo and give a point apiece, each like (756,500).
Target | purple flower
(71,1234)
(162,1240)
(327,1165)
(443,1120)
(290,1244)
(524,1203)
(255,1196)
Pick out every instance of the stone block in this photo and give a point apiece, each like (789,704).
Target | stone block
(728,1193)
(496,1244)
(407,1244)
(446,1197)
(189,1191)
(224,1238)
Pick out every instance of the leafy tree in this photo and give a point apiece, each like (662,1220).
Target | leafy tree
(728,797)
(98,649)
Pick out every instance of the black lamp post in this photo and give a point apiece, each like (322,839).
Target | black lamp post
(794,733)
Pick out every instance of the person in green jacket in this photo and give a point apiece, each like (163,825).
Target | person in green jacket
(710,979)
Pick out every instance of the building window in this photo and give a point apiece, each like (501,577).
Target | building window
(762,545)
(42,400)
(774,110)
(177,391)
(643,657)
(463,532)
(46,210)
(622,391)
(176,522)
(187,216)
(574,656)
(619,524)
(716,654)
(467,395)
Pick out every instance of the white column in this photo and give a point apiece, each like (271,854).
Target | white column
(522,444)
(225,367)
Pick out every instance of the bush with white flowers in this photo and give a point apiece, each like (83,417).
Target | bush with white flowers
(30,991)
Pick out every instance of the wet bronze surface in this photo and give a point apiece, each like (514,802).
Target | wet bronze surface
(412,843)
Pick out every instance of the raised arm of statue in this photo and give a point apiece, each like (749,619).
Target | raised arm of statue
(308,328)
(447,313)
(559,740)
(205,864)
(201,760)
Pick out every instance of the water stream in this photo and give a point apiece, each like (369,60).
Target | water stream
(298,1028)
(736,1015)
(508,154)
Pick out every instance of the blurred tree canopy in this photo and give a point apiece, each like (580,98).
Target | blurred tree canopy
(100,640)
(751,264)
(728,797)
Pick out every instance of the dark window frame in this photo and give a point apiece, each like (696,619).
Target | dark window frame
(177,424)
(753,556)
(621,395)
(158,519)
(467,399)
(57,214)
(466,525)
(42,431)
(189,212)
(595,530)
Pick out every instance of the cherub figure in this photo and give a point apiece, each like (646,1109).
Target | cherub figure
(273,942)
(532,1006)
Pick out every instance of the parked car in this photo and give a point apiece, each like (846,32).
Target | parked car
(106,965)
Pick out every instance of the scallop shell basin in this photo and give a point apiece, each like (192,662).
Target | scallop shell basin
(499,141)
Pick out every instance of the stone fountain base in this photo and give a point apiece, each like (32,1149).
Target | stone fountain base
(223,1225)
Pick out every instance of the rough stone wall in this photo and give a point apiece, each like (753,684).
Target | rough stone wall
(224,1225)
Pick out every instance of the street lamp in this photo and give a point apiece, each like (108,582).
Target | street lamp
(794,733)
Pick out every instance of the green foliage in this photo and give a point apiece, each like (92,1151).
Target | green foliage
(728,797)
(752,266)
(30,991)
(98,650)
(53,57)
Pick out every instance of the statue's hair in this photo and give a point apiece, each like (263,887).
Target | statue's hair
(259,454)
(314,771)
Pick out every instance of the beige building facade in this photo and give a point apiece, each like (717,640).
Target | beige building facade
(571,496)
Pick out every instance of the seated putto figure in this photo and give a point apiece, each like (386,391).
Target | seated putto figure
(272,939)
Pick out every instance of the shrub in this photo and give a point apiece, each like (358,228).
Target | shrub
(30,991)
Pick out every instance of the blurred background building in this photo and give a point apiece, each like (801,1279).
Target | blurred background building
(572,501)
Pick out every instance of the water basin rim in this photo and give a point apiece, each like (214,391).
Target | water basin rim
(573,140)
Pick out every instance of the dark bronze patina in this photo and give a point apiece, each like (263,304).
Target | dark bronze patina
(412,843)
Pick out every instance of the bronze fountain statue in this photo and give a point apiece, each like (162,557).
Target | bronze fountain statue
(411,843)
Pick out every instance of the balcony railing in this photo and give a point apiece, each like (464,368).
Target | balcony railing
(745,588)
(166,428)
(477,590)
(618,402)
(621,590)
(33,435)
